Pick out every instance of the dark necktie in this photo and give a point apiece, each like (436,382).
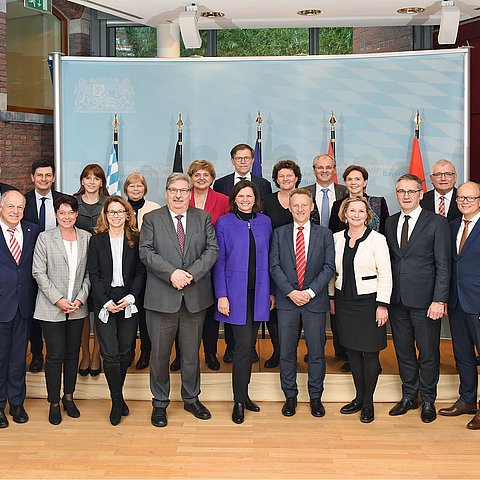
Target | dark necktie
(464,236)
(180,232)
(41,215)
(404,234)
(242,178)
(300,260)
(441,207)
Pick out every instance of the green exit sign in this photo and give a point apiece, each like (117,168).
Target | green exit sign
(43,6)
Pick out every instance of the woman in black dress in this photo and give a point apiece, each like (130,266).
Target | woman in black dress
(362,289)
(286,176)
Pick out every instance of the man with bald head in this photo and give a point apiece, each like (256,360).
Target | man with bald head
(464,300)
(17,241)
(441,199)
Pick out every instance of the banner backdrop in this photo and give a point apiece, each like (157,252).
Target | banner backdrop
(374,98)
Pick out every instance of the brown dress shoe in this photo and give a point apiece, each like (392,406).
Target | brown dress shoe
(459,408)
(474,423)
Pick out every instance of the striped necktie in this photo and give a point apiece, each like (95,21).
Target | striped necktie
(300,259)
(14,246)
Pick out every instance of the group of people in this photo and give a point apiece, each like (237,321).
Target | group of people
(230,250)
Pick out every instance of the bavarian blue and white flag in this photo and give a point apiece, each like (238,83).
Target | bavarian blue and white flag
(113,177)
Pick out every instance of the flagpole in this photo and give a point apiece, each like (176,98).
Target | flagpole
(259,134)
(178,160)
(416,161)
(257,154)
(113,176)
(417,121)
(115,124)
(332,132)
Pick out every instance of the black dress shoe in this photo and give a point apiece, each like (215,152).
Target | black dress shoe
(19,414)
(238,413)
(70,407)
(159,417)
(429,413)
(3,419)
(125,409)
(273,361)
(316,407)
(84,372)
(37,362)
(251,406)
(175,365)
(212,361)
(352,407)
(288,409)
(345,368)
(54,414)
(116,413)
(367,415)
(228,356)
(143,361)
(198,410)
(305,358)
(402,407)
(255,357)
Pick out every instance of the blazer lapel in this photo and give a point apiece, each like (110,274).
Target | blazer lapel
(473,234)
(312,241)
(107,247)
(27,238)
(4,246)
(57,238)
(189,232)
(289,241)
(419,226)
(393,234)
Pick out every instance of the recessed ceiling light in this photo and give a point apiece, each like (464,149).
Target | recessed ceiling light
(410,10)
(310,12)
(212,14)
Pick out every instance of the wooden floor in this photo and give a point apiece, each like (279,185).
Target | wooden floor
(266,446)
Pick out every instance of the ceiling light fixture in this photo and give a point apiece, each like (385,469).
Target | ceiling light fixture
(309,12)
(449,22)
(189,28)
(212,14)
(410,10)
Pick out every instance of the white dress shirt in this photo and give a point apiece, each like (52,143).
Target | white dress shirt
(50,220)
(319,197)
(72,257)
(470,227)
(411,222)
(447,199)
(116,244)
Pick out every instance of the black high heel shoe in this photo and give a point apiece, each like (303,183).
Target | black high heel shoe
(95,372)
(83,372)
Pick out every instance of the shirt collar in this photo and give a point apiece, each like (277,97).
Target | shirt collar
(448,195)
(306,226)
(5,227)
(248,176)
(48,195)
(413,214)
(473,220)
(331,187)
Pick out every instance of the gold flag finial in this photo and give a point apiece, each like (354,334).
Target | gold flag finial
(180,122)
(332,121)
(417,120)
(115,123)
(259,121)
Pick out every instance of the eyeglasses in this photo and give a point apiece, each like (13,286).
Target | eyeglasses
(181,191)
(407,192)
(242,159)
(444,174)
(466,199)
(115,213)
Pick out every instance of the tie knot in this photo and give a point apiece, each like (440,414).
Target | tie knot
(242,178)
(466,222)
(179,217)
(43,199)
(300,229)
(325,191)
(407,218)
(11,231)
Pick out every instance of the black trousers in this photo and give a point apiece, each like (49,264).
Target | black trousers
(210,332)
(411,330)
(145,343)
(63,346)
(365,371)
(36,341)
(244,337)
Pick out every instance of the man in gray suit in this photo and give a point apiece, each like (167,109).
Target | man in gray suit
(178,247)
(301,265)
(419,243)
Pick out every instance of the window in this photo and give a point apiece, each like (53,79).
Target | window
(31,36)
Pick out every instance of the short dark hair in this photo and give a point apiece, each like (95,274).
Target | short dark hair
(411,176)
(64,199)
(291,165)
(355,168)
(241,146)
(257,206)
(301,191)
(42,163)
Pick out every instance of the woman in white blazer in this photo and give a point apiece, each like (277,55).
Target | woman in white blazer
(361,293)
(60,269)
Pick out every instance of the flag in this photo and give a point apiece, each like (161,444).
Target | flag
(257,158)
(113,177)
(177,159)
(416,163)
(331,152)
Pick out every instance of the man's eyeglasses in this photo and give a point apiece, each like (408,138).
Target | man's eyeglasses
(407,192)
(242,159)
(466,199)
(444,174)
(181,191)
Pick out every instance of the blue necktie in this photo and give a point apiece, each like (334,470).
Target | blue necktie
(325,213)
(41,215)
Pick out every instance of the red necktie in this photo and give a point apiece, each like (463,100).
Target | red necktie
(441,206)
(14,246)
(180,232)
(300,259)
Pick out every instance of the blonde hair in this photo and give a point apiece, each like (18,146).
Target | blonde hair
(344,207)
(135,177)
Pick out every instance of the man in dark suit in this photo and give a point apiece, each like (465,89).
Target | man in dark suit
(17,241)
(464,301)
(302,263)
(179,248)
(419,246)
(241,156)
(325,169)
(441,199)
(39,209)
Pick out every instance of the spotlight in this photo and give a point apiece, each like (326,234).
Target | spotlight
(189,28)
(448,22)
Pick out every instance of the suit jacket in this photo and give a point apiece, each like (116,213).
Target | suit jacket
(17,286)
(5,187)
(465,280)
(340,193)
(319,270)
(161,254)
(225,185)
(371,264)
(421,274)
(50,270)
(428,203)
(217,204)
(100,269)
(230,273)
(31,210)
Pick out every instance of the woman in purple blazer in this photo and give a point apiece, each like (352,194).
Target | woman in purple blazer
(242,284)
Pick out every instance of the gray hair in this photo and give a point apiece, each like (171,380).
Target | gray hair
(443,161)
(4,195)
(473,184)
(411,176)
(327,155)
(176,176)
